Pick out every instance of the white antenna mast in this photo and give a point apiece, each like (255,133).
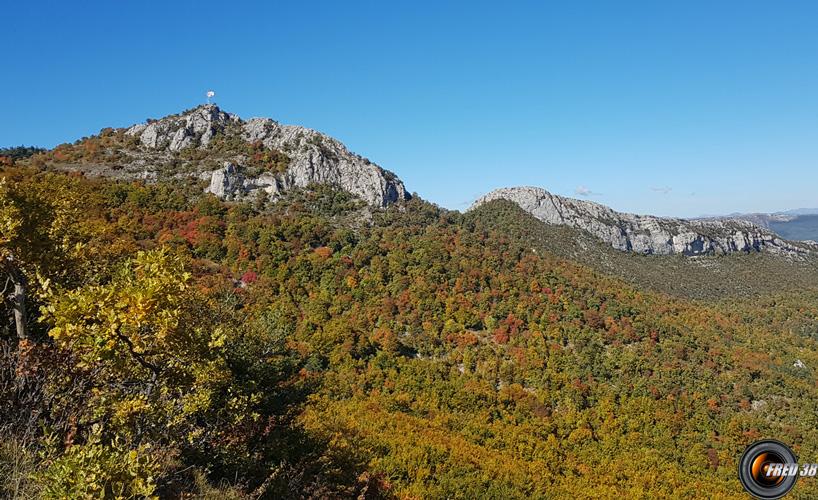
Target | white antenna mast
(210,95)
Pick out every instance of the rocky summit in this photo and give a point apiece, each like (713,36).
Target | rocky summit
(647,234)
(259,154)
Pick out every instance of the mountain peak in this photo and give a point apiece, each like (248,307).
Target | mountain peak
(240,158)
(193,127)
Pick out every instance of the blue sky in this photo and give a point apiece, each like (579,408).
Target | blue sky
(685,109)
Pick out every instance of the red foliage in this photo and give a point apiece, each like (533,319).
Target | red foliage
(323,252)
(464,339)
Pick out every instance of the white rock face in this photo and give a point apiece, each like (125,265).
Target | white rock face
(317,158)
(175,133)
(644,234)
(229,183)
(225,181)
(314,157)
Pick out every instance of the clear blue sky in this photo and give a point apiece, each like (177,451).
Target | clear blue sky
(695,108)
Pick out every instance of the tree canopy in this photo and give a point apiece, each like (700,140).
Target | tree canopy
(315,347)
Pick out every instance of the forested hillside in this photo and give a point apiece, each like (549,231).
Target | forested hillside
(316,347)
(706,277)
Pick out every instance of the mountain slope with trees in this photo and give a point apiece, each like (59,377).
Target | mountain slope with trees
(706,277)
(168,343)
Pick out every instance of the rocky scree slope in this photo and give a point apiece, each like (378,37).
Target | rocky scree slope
(238,158)
(647,234)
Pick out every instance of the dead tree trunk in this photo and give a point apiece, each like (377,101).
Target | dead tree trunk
(18,296)
(20,307)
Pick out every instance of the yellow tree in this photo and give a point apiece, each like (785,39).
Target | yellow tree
(134,317)
(168,366)
(41,235)
(147,333)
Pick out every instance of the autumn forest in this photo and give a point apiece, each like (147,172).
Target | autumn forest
(175,345)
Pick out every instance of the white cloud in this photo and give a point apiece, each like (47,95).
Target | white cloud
(663,189)
(585,192)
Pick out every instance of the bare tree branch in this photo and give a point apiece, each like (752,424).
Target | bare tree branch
(138,356)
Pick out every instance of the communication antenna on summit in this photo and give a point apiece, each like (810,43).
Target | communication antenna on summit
(210,95)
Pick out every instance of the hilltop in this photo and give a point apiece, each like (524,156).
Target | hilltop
(233,158)
(646,234)
(705,277)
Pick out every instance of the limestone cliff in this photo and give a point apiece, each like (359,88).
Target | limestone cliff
(646,234)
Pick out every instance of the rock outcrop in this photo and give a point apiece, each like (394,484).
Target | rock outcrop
(177,132)
(645,234)
(317,158)
(313,158)
(230,183)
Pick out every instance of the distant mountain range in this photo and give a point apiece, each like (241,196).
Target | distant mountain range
(802,211)
(800,224)
(802,227)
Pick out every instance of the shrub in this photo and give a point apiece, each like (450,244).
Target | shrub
(96,470)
